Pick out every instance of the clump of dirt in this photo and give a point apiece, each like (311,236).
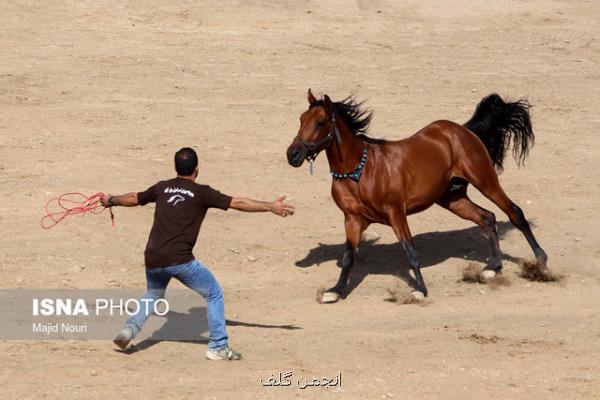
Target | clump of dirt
(536,272)
(472,274)
(481,339)
(500,280)
(402,295)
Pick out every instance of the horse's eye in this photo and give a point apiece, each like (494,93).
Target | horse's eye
(320,124)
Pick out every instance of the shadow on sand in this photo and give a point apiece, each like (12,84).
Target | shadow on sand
(189,327)
(432,247)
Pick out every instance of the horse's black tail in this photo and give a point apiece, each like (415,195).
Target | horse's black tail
(496,122)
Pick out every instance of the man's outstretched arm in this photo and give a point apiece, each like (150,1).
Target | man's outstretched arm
(277,206)
(124,200)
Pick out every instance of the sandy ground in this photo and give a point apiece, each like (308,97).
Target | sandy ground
(97,95)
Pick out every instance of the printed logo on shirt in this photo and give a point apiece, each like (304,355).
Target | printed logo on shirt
(176,198)
(180,191)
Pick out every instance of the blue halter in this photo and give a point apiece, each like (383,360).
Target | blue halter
(354,175)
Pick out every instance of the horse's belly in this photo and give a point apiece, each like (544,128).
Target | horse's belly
(417,208)
(420,197)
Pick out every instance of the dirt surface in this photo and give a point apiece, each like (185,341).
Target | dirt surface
(97,95)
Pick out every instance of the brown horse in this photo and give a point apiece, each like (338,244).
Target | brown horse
(380,181)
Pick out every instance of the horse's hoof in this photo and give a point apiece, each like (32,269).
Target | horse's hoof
(417,295)
(487,274)
(329,297)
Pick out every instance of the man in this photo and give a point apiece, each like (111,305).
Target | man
(181,205)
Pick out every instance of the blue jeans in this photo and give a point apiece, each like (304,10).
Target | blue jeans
(198,278)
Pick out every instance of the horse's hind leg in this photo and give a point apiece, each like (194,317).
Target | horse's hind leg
(486,181)
(457,202)
(517,218)
(355,226)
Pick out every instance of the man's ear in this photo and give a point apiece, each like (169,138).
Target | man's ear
(195,172)
(311,99)
(328,104)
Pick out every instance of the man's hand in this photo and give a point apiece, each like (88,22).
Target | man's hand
(124,200)
(280,208)
(104,199)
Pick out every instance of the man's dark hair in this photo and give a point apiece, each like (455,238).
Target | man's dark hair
(186,161)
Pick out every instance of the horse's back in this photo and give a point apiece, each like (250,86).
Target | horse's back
(433,140)
(444,129)
(441,130)
(445,136)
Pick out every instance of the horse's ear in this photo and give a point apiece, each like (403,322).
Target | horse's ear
(311,99)
(328,104)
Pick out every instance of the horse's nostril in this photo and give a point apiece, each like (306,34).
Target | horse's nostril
(295,155)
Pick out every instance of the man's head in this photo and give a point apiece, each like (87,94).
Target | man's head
(186,163)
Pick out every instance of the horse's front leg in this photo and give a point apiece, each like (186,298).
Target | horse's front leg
(400,226)
(355,226)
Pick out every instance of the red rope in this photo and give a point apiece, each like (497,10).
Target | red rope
(72,204)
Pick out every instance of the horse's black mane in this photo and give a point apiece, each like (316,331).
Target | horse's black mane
(356,116)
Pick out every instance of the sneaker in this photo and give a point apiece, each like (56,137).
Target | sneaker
(223,353)
(124,337)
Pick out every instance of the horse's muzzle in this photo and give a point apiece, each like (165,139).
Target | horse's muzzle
(296,154)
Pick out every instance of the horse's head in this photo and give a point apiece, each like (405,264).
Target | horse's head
(317,130)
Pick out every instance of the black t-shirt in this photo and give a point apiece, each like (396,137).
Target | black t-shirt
(180,209)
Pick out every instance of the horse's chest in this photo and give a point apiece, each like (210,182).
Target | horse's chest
(355,201)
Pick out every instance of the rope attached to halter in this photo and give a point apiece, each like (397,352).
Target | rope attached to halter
(73,204)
